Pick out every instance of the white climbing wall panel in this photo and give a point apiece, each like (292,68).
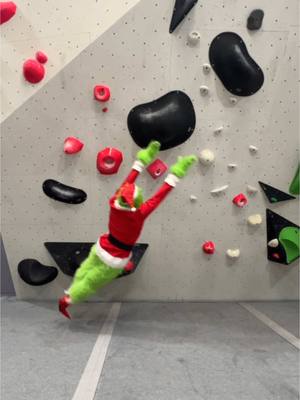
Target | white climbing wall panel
(62,29)
(141,61)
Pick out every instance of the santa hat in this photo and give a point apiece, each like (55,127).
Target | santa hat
(128,192)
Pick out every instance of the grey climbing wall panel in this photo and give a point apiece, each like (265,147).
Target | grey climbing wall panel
(141,61)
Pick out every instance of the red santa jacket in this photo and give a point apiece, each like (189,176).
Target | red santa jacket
(125,225)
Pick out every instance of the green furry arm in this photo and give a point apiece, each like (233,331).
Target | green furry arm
(146,156)
(182,166)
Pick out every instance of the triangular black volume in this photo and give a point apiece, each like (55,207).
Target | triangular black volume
(275,195)
(181,9)
(138,252)
(275,223)
(67,255)
(36,274)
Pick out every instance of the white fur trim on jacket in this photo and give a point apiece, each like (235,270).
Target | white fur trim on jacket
(138,166)
(172,180)
(111,261)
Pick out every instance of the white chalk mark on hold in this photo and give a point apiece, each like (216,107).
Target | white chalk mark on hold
(219,189)
(272,325)
(88,383)
(273,243)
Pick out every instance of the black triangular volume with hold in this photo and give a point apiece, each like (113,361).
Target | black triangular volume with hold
(138,252)
(181,9)
(275,195)
(36,274)
(68,256)
(275,224)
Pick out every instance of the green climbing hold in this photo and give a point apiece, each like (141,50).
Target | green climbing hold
(294,186)
(289,238)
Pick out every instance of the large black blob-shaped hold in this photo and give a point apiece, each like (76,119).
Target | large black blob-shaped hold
(255,19)
(234,66)
(68,256)
(60,192)
(275,226)
(181,9)
(275,195)
(171,120)
(36,274)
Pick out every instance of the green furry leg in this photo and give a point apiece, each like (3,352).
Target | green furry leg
(92,275)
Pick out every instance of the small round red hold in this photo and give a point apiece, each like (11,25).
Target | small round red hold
(240,200)
(109,161)
(208,247)
(7,11)
(33,71)
(41,57)
(72,145)
(105,109)
(102,93)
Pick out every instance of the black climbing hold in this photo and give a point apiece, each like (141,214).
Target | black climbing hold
(170,119)
(138,252)
(255,20)
(181,9)
(60,192)
(275,195)
(68,256)
(287,234)
(234,66)
(36,274)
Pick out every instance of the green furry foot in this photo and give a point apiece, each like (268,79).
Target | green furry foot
(182,166)
(146,156)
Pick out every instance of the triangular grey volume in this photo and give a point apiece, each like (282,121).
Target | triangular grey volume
(181,9)
(275,195)
(275,223)
(36,274)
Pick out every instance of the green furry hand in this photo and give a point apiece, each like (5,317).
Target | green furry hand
(182,166)
(146,156)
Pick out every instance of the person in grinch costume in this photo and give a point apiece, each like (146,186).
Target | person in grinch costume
(110,255)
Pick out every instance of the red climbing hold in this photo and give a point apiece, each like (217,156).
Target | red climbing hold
(33,71)
(41,57)
(208,247)
(102,93)
(109,161)
(72,145)
(105,109)
(7,11)
(157,168)
(240,200)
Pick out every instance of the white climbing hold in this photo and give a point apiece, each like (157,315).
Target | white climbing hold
(193,197)
(255,219)
(233,253)
(204,90)
(219,189)
(219,130)
(233,100)
(194,38)
(206,157)
(206,68)
(253,149)
(251,189)
(273,243)
(232,166)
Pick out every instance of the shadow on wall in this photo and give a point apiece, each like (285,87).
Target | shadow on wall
(7,286)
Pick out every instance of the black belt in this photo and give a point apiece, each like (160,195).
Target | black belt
(117,243)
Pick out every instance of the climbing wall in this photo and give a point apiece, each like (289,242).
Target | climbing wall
(140,61)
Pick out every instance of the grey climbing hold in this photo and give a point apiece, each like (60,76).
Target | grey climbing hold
(252,189)
(273,243)
(206,68)
(253,149)
(193,198)
(233,100)
(255,19)
(204,90)
(206,157)
(232,166)
(233,253)
(194,38)
(219,189)
(219,130)
(255,219)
